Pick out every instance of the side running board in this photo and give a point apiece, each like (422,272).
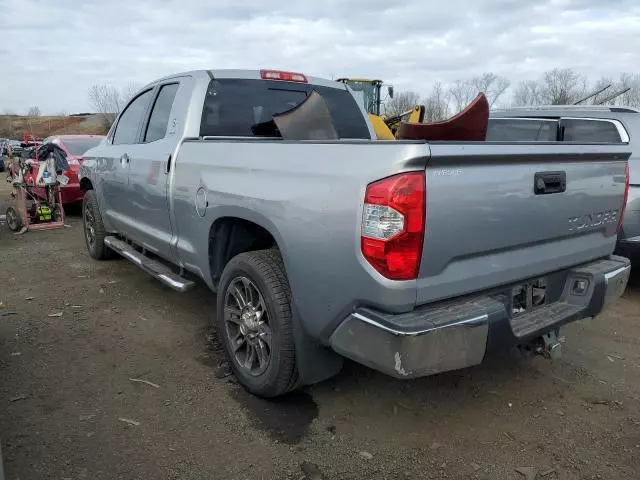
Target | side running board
(152,267)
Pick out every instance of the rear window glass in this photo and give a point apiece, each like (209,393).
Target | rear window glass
(77,147)
(522,130)
(578,130)
(235,107)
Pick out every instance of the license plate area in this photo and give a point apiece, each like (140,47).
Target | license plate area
(528,296)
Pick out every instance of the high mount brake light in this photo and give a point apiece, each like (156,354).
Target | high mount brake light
(393,225)
(624,198)
(285,76)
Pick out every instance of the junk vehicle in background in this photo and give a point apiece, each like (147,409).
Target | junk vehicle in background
(74,147)
(582,124)
(410,257)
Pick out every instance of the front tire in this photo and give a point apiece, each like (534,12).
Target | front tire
(253,319)
(94,232)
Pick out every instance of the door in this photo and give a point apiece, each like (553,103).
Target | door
(149,169)
(115,160)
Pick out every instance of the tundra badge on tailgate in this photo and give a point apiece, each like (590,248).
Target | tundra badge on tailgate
(592,220)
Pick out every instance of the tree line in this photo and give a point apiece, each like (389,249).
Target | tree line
(559,86)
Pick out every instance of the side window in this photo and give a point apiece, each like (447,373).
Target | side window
(159,120)
(586,130)
(127,129)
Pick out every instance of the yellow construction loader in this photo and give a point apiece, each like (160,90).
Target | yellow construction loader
(368,93)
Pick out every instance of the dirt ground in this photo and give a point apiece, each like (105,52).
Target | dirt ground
(76,336)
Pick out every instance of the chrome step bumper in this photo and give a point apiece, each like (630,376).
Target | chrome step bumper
(153,267)
(456,334)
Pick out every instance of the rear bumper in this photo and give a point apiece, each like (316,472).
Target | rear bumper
(459,333)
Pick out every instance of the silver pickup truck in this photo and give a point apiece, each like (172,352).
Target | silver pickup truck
(409,257)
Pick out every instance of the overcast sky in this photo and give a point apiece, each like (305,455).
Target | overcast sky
(52,51)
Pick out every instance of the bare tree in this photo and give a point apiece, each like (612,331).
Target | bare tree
(107,100)
(562,86)
(401,102)
(436,104)
(630,98)
(492,85)
(34,112)
(461,93)
(127,92)
(527,93)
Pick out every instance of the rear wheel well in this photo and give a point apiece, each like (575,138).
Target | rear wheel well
(230,236)
(85,184)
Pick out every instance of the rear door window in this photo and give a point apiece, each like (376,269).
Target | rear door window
(159,119)
(522,130)
(237,108)
(588,130)
(131,120)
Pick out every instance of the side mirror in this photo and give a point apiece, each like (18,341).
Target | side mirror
(390,90)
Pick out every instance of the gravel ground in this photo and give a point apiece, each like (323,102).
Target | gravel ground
(76,336)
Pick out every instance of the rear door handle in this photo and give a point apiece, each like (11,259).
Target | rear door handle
(124,159)
(545,183)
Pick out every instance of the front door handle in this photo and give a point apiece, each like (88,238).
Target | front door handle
(124,159)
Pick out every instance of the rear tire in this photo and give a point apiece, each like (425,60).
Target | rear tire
(254,322)
(94,232)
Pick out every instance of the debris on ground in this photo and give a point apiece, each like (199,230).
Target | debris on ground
(16,354)
(529,473)
(3,305)
(28,299)
(311,471)
(435,445)
(547,472)
(18,398)
(128,421)
(146,382)
(613,355)
(222,371)
(366,455)
(57,314)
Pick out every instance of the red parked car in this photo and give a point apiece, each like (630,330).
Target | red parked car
(74,146)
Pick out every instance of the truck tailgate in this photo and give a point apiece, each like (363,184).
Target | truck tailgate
(500,213)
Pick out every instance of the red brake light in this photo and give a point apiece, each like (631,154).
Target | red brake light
(624,198)
(280,75)
(393,224)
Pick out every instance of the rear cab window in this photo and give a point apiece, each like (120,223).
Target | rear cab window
(237,107)
(566,129)
(589,130)
(522,130)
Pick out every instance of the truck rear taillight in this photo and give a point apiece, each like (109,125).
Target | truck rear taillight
(624,198)
(393,223)
(280,75)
